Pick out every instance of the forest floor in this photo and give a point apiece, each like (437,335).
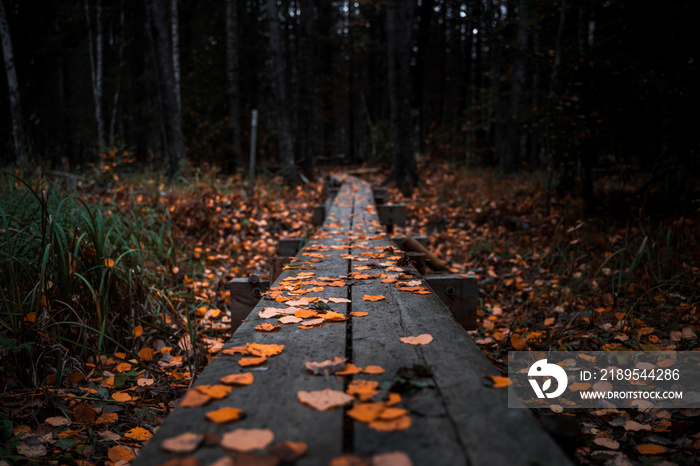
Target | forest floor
(623,280)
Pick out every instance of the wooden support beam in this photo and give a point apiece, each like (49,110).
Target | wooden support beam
(410,244)
(289,246)
(391,214)
(245,294)
(319,215)
(460,294)
(381,195)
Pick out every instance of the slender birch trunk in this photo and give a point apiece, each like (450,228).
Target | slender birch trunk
(96,65)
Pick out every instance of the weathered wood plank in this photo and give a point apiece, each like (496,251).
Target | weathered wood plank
(271,402)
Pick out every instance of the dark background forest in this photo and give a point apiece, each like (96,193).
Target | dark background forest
(576,87)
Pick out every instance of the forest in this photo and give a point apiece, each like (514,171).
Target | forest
(549,146)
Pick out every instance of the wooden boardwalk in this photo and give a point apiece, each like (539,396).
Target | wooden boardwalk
(446,414)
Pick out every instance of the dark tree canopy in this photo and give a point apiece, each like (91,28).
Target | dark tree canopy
(470,82)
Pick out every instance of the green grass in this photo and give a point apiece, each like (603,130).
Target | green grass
(76,276)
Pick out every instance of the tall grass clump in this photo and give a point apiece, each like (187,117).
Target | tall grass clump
(76,277)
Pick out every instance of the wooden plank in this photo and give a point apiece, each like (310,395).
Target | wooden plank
(271,402)
(460,420)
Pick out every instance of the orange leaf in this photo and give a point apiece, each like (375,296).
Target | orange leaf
(363,389)
(392,413)
(183,443)
(324,400)
(249,362)
(137,331)
(146,354)
(58,421)
(224,415)
(194,398)
(258,349)
(366,412)
(394,399)
(350,369)
(378,297)
(401,423)
(121,396)
(333,316)
(517,341)
(305,313)
(375,370)
(107,418)
(359,314)
(395,458)
(216,392)
(246,378)
(499,381)
(423,339)
(650,449)
(247,440)
(109,262)
(138,433)
(329,366)
(266,327)
(120,453)
(30,317)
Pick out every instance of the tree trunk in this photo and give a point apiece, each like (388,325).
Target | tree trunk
(306,89)
(18,138)
(403,162)
(167,92)
(96,65)
(279,86)
(586,154)
(175,38)
(234,82)
(553,91)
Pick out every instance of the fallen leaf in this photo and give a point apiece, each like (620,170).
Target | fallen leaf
(267,327)
(635,426)
(392,413)
(329,366)
(121,396)
(401,423)
(246,378)
(288,452)
(305,313)
(250,362)
(349,369)
(517,341)
(324,400)
(359,314)
(215,392)
(350,460)
(366,412)
(138,433)
(58,421)
(650,449)
(289,320)
(423,339)
(107,418)
(224,415)
(84,413)
(120,453)
(396,458)
(31,451)
(183,443)
(194,399)
(333,316)
(394,399)
(339,300)
(259,349)
(269,313)
(373,298)
(363,389)
(373,370)
(137,331)
(247,440)
(311,323)
(146,354)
